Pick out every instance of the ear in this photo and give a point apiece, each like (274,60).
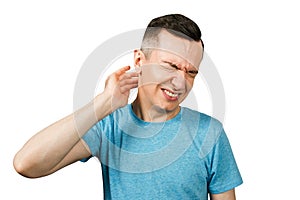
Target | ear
(139,58)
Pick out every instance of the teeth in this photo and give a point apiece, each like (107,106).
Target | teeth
(170,93)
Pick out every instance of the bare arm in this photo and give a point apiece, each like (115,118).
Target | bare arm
(228,195)
(60,144)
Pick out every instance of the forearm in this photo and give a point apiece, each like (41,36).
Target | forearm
(49,146)
(58,145)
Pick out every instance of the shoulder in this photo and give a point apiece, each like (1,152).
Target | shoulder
(205,121)
(209,130)
(119,114)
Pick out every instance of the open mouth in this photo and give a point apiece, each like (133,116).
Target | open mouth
(170,95)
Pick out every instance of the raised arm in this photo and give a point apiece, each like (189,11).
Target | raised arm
(60,144)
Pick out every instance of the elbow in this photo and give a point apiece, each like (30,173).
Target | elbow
(23,167)
(19,167)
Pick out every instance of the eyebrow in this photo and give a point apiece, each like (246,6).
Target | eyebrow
(170,63)
(194,70)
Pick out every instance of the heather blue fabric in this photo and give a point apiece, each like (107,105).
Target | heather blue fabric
(185,157)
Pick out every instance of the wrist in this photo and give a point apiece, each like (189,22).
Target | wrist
(102,105)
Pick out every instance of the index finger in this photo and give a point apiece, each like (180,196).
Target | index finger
(122,70)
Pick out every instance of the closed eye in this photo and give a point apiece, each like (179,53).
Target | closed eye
(174,66)
(171,64)
(192,72)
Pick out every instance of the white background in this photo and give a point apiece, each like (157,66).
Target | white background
(254,45)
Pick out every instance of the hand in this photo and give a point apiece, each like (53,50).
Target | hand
(118,86)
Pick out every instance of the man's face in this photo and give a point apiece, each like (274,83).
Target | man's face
(167,76)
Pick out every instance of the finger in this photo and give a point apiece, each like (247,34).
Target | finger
(128,80)
(128,87)
(122,70)
(129,75)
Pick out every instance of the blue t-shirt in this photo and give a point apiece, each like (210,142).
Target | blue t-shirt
(185,157)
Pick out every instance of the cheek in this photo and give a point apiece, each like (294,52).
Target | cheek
(189,85)
(152,74)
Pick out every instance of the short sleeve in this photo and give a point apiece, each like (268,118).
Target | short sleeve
(93,139)
(224,174)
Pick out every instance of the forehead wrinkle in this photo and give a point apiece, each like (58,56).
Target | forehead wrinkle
(174,58)
(190,50)
(187,50)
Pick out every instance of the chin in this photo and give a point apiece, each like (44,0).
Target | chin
(168,108)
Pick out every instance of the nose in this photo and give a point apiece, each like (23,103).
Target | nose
(178,81)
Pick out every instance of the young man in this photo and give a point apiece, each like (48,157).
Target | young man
(152,148)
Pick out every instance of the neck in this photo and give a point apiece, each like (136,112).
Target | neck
(152,113)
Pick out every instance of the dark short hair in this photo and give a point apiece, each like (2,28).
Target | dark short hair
(176,24)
